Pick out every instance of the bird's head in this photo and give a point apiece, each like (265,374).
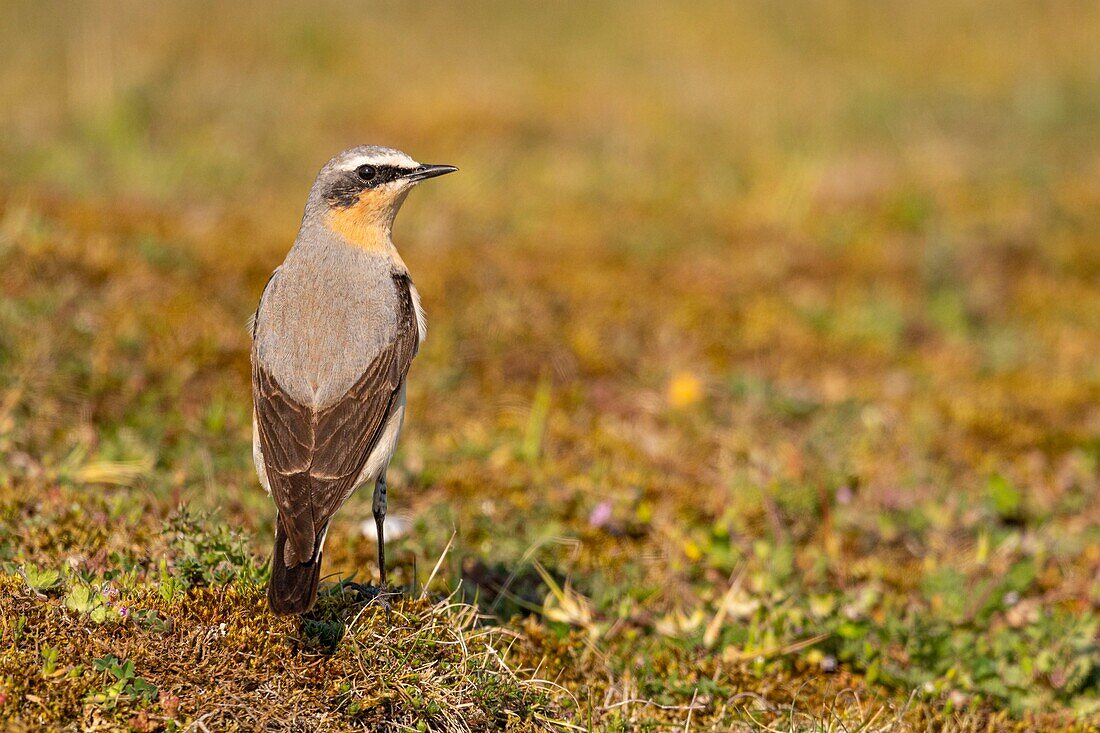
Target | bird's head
(358,192)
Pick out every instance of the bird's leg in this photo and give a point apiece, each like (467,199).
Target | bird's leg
(379,507)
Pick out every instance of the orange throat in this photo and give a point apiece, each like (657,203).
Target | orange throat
(366,223)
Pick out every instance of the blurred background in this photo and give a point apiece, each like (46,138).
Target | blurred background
(805,293)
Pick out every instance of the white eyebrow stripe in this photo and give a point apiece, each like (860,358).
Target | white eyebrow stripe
(399,161)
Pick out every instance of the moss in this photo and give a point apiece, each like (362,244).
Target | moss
(215,655)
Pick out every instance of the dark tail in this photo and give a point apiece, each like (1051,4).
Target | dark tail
(291,590)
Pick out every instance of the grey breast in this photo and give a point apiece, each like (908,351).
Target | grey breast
(326,314)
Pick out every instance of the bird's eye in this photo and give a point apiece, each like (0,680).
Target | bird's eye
(366,173)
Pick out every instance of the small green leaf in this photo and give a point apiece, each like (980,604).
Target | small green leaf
(1005,498)
(143,689)
(80,599)
(40,580)
(104,663)
(49,660)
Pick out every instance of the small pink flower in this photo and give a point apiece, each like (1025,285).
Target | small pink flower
(844,495)
(601,515)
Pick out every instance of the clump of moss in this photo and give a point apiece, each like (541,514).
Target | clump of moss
(213,654)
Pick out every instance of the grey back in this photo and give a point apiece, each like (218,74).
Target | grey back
(325,315)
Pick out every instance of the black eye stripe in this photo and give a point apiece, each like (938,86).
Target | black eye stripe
(346,189)
(382,174)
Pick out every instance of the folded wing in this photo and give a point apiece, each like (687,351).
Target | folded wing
(314,457)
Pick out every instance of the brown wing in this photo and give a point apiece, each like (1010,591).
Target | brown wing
(314,457)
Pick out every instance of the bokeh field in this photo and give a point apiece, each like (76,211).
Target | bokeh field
(761,389)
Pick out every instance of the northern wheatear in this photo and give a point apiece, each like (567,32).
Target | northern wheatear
(338,324)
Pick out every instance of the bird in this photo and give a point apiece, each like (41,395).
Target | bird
(337,326)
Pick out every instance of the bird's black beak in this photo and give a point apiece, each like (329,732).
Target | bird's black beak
(424,172)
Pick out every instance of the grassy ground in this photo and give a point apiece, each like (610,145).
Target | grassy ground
(761,387)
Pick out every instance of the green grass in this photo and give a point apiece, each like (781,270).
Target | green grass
(761,386)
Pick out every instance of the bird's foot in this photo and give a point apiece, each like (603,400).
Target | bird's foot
(370,593)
